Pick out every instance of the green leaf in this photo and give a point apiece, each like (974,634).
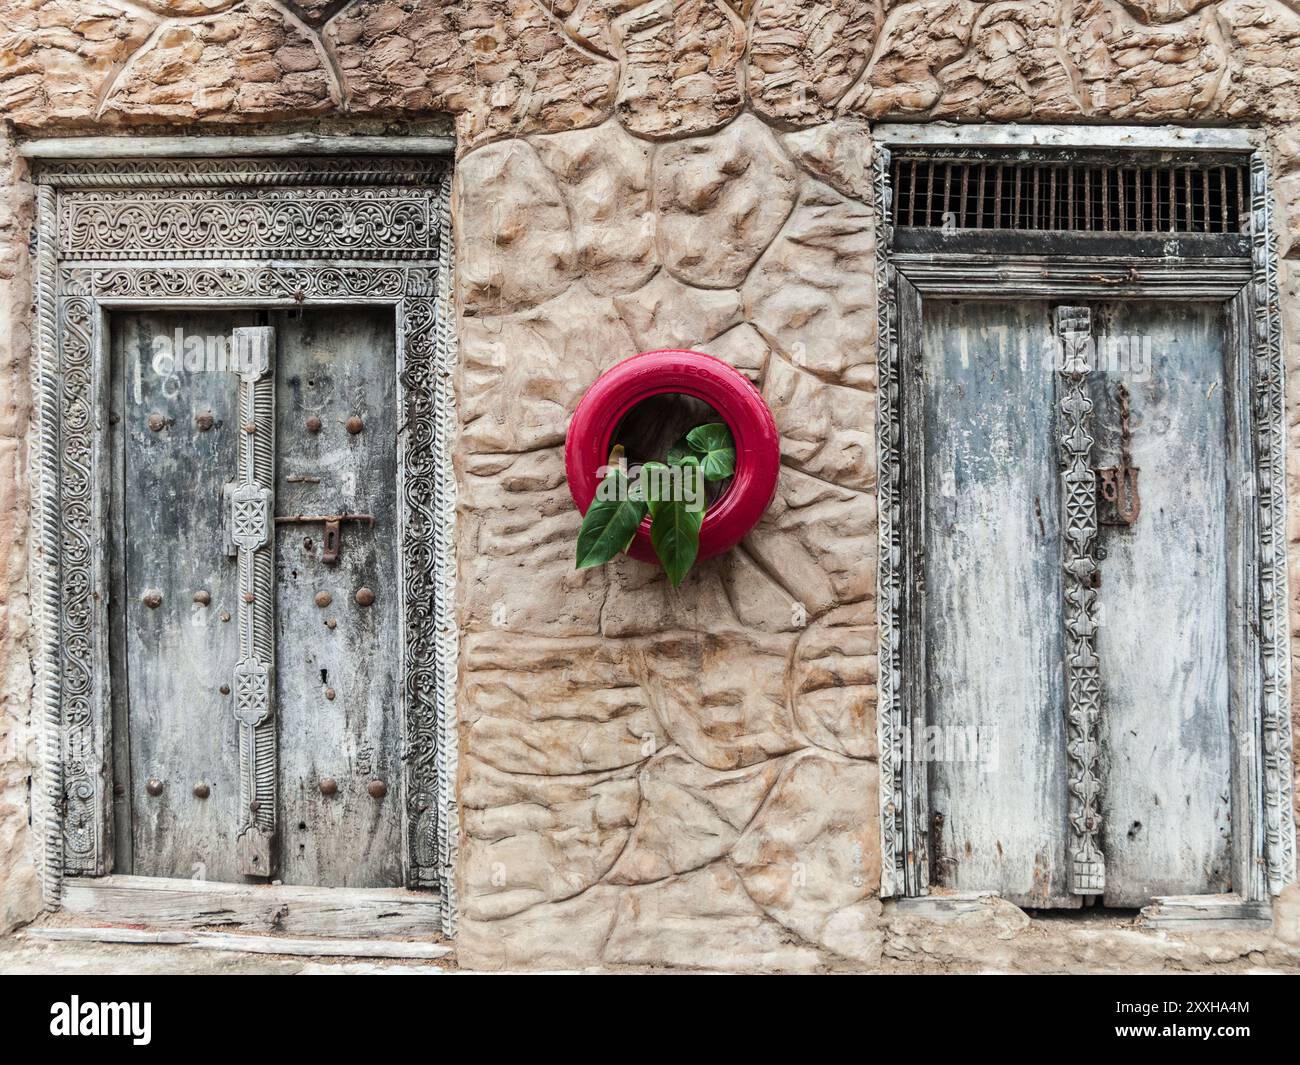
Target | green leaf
(716,449)
(683,482)
(610,522)
(680,451)
(675,535)
(655,478)
(675,496)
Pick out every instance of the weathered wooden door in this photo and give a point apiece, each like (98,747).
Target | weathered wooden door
(256,606)
(1078,667)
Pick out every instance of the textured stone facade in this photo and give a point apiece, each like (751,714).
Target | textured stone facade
(648,776)
(19,886)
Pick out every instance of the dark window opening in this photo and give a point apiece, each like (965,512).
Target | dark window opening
(1071,196)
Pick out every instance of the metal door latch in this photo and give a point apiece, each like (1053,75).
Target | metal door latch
(247,508)
(1118,485)
(333,529)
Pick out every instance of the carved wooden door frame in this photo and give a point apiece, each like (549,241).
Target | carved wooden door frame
(128,232)
(1264,842)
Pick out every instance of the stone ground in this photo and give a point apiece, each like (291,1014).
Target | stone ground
(1001,939)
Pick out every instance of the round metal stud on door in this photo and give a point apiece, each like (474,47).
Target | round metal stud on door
(691,373)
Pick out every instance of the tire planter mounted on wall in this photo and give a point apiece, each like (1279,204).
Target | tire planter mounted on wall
(738,403)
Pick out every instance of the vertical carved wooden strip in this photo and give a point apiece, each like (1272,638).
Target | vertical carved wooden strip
(80,798)
(252,531)
(1078,548)
(45,564)
(447,642)
(1270,457)
(888,575)
(417,463)
(427,494)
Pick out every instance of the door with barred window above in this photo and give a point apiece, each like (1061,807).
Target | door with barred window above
(1084,496)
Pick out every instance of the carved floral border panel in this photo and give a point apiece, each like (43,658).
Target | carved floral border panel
(1269,377)
(334,227)
(1273,813)
(303,222)
(889,570)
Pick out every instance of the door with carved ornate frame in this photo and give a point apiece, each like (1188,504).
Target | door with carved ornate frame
(119,229)
(924,258)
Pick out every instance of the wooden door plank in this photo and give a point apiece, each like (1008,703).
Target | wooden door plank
(915,820)
(123,791)
(1162,639)
(1249,875)
(177,655)
(992,603)
(337,695)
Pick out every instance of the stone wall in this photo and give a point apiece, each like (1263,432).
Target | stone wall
(19,888)
(673,775)
(648,776)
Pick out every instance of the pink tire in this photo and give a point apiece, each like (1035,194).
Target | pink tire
(738,403)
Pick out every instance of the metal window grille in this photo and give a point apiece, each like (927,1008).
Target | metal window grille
(1073,196)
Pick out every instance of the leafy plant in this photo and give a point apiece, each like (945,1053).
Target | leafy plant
(671,492)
